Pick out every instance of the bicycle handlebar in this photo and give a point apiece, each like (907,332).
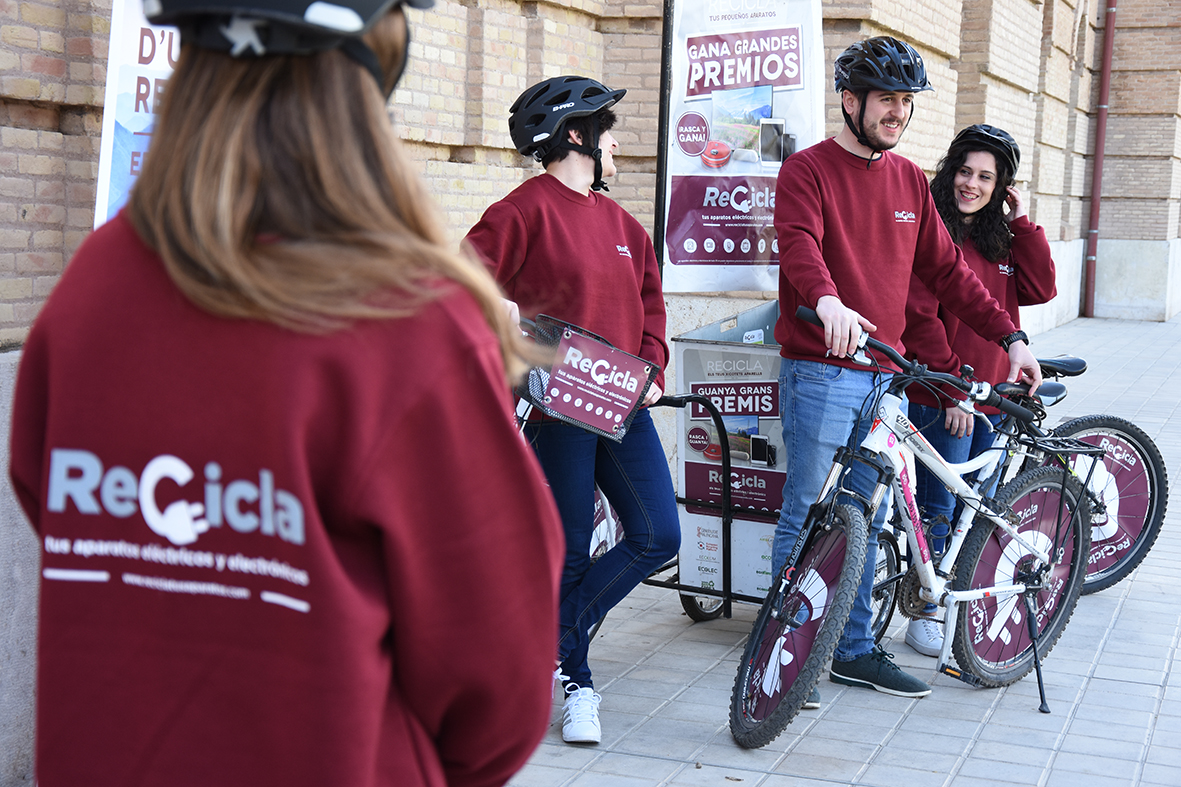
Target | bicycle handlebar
(983,393)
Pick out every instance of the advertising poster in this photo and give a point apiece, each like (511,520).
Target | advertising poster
(732,364)
(746,91)
(140,60)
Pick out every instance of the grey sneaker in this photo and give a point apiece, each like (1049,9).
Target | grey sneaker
(925,635)
(813,701)
(876,670)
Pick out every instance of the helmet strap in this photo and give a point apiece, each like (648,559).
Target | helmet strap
(594,151)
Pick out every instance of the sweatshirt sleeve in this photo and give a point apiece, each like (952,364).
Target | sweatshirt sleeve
(653,346)
(473,551)
(501,239)
(927,337)
(1030,255)
(940,265)
(799,227)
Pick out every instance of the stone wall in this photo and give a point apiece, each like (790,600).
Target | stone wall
(1029,66)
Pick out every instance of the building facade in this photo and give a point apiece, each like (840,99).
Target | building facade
(1033,67)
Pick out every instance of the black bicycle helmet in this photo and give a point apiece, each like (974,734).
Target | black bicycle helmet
(995,140)
(537,117)
(878,63)
(278,27)
(881,63)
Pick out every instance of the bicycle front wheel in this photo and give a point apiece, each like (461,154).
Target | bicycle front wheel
(797,630)
(992,634)
(1129,493)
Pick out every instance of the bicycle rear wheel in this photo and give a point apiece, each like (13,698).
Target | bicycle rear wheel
(885,583)
(1130,491)
(797,630)
(992,634)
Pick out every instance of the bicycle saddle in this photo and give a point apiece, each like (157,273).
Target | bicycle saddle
(1062,366)
(1048,393)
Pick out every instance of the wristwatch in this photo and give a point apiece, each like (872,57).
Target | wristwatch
(1015,336)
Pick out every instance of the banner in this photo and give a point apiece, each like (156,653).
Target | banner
(746,82)
(139,62)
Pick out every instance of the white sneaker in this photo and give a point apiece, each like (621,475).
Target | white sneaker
(580,716)
(925,635)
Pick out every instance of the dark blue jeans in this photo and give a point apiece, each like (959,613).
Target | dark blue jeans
(634,476)
(930,494)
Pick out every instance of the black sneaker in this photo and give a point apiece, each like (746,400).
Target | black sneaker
(813,701)
(876,670)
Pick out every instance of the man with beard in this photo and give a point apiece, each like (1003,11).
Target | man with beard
(853,221)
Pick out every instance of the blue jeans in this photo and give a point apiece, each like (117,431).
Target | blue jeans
(820,405)
(634,476)
(931,495)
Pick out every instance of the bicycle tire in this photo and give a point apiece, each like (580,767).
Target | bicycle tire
(992,636)
(769,690)
(882,601)
(1134,482)
(701,608)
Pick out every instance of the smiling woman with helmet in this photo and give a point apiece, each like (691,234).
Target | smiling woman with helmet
(977,199)
(560,247)
(252,425)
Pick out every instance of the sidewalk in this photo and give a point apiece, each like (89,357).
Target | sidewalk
(1113,680)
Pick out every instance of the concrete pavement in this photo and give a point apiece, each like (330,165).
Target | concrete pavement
(1113,680)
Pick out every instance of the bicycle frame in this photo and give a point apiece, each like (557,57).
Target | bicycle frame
(892,437)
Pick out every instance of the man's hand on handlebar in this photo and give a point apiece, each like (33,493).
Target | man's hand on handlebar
(653,394)
(958,422)
(1023,367)
(842,325)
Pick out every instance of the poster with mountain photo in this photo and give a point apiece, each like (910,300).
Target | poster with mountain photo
(745,89)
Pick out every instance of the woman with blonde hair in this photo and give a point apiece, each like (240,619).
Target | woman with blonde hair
(253,426)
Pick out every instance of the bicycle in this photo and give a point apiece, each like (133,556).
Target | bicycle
(1026,544)
(1129,489)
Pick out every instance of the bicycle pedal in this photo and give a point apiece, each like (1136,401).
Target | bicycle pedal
(966,677)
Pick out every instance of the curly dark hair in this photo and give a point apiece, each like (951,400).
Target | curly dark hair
(988,230)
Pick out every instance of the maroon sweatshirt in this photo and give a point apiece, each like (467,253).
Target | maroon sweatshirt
(858,232)
(581,259)
(936,337)
(272,557)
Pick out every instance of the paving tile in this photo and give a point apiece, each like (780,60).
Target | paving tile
(994,772)
(888,775)
(1094,765)
(654,769)
(1061,778)
(713,775)
(1101,746)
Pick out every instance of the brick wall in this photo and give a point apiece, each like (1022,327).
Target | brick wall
(1021,64)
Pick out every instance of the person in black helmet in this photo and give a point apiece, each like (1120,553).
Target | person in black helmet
(986,216)
(559,247)
(853,222)
(252,427)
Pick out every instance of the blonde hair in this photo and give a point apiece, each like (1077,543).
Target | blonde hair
(275,189)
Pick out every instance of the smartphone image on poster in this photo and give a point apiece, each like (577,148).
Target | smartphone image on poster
(758,449)
(771,141)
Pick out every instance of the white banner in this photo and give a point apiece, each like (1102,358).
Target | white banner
(747,81)
(139,62)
